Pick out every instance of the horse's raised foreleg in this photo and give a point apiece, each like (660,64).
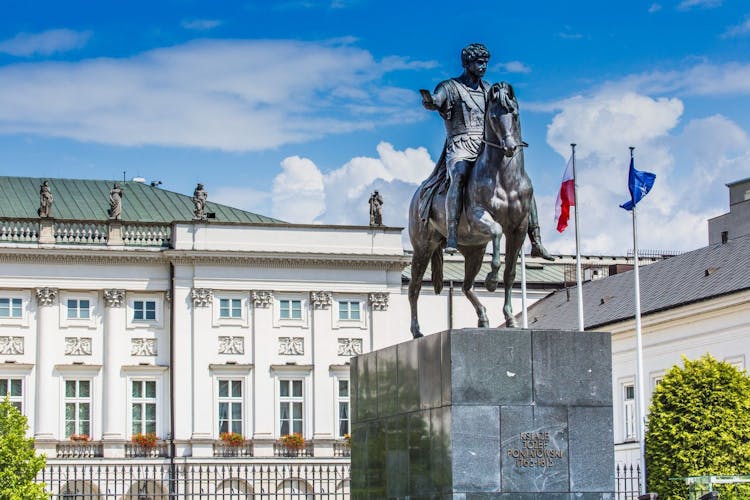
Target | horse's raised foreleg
(513,244)
(419,261)
(472,264)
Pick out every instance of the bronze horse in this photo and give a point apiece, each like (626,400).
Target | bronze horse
(496,201)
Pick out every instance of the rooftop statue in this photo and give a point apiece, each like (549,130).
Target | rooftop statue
(45,200)
(376,209)
(199,201)
(478,190)
(115,202)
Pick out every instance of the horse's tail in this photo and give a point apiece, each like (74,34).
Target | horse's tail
(436,263)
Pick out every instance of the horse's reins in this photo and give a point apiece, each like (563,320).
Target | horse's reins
(498,146)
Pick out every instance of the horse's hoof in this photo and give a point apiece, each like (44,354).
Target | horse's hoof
(417,335)
(490,282)
(483,323)
(511,323)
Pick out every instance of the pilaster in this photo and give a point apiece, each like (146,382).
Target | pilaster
(46,409)
(113,429)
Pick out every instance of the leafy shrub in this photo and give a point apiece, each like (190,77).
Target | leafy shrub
(699,424)
(19,463)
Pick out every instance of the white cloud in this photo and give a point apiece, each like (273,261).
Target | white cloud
(702,4)
(201,24)
(655,7)
(737,30)
(298,194)
(514,67)
(690,179)
(44,43)
(303,194)
(233,95)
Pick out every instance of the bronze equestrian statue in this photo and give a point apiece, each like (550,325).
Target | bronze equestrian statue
(478,190)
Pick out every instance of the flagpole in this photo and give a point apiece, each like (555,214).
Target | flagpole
(639,352)
(578,243)
(524,312)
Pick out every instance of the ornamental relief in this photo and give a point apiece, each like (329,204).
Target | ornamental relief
(379,301)
(202,297)
(114,297)
(46,296)
(11,345)
(231,345)
(320,300)
(291,346)
(261,298)
(143,347)
(350,347)
(77,346)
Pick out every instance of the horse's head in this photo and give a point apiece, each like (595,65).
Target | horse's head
(502,117)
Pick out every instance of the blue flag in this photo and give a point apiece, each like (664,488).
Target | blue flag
(639,183)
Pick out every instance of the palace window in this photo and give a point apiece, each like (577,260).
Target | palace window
(79,309)
(629,413)
(143,406)
(77,407)
(343,407)
(11,307)
(144,310)
(349,310)
(13,389)
(290,309)
(230,308)
(230,406)
(291,406)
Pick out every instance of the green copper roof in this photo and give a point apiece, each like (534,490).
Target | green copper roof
(80,199)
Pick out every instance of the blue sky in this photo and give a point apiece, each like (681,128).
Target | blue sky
(299,109)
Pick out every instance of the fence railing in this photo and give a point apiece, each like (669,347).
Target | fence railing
(281,450)
(627,482)
(19,231)
(157,235)
(341,449)
(160,450)
(196,481)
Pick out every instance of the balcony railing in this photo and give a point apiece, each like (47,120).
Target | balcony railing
(161,450)
(84,232)
(222,449)
(79,449)
(342,449)
(281,450)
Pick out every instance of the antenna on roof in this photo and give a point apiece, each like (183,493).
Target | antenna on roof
(123,176)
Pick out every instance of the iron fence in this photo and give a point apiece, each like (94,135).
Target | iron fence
(627,482)
(196,481)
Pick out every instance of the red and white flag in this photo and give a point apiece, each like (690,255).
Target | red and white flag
(565,198)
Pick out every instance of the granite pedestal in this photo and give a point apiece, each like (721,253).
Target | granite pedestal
(485,413)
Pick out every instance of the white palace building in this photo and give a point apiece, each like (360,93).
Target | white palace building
(186,328)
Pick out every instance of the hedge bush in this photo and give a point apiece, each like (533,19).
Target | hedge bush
(699,424)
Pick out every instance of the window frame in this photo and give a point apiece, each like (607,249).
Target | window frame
(77,400)
(233,372)
(244,309)
(290,401)
(7,382)
(158,320)
(342,400)
(230,400)
(629,426)
(67,322)
(337,322)
(142,400)
(293,372)
(304,302)
(25,297)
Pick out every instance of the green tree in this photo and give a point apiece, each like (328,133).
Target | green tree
(699,424)
(19,463)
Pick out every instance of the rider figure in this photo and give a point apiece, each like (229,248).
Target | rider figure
(461,103)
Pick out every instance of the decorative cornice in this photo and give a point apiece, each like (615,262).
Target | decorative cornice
(46,296)
(321,300)
(99,256)
(261,298)
(379,301)
(114,297)
(202,297)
